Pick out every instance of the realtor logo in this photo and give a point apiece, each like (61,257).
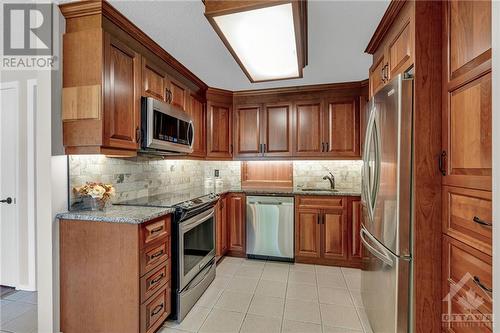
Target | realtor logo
(469,301)
(27,29)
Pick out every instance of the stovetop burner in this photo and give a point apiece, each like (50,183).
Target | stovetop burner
(184,199)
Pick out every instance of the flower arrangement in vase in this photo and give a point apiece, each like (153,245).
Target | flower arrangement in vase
(93,196)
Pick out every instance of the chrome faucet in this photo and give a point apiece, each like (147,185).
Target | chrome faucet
(331,179)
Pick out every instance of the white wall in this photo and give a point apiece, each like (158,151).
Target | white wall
(496,161)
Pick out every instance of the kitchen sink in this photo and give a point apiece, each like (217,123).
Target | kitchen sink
(307,189)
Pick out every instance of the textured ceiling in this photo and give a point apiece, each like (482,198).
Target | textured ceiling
(338,34)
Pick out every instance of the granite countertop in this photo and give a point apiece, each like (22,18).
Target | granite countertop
(117,214)
(135,212)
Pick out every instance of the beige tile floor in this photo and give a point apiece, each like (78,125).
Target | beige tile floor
(18,312)
(252,296)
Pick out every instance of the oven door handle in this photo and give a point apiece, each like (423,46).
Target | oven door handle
(201,278)
(196,220)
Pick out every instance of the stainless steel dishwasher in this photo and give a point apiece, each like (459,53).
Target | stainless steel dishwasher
(270,227)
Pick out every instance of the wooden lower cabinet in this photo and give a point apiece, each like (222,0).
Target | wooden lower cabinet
(327,230)
(221,234)
(115,277)
(236,224)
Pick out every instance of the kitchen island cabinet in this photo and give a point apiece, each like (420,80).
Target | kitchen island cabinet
(115,277)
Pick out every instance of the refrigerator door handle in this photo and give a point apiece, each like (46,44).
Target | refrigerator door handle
(366,195)
(380,255)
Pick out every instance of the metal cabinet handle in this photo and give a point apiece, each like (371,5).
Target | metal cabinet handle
(157,254)
(318,219)
(442,162)
(481,222)
(8,201)
(155,230)
(157,310)
(264,148)
(478,282)
(158,279)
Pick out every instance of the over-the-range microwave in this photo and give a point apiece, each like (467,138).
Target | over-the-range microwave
(165,128)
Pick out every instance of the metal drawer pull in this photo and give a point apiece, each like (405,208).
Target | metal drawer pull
(478,282)
(157,254)
(158,279)
(155,230)
(481,222)
(157,310)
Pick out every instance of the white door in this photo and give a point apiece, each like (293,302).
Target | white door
(8,184)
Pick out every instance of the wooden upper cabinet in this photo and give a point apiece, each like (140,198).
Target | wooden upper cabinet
(469,35)
(247,127)
(394,54)
(154,80)
(236,223)
(342,129)
(219,131)
(197,111)
(178,94)
(277,133)
(122,72)
(467,135)
(263,130)
(308,233)
(308,128)
(335,235)
(400,49)
(377,75)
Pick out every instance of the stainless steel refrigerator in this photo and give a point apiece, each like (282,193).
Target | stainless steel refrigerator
(386,202)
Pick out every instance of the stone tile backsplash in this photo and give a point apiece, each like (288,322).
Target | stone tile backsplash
(310,174)
(142,176)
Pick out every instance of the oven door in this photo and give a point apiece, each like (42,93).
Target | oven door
(196,245)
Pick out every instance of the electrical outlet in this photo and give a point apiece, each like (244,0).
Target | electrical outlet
(216,173)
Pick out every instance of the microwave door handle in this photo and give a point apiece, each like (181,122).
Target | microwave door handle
(191,131)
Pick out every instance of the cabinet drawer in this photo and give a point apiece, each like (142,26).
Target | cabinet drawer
(151,282)
(154,230)
(455,320)
(154,254)
(319,202)
(155,311)
(467,271)
(465,213)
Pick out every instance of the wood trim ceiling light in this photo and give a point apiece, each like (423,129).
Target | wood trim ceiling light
(219,13)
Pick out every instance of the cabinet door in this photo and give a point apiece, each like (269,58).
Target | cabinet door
(342,129)
(219,131)
(121,94)
(467,139)
(355,246)
(221,231)
(196,110)
(153,80)
(178,94)
(468,27)
(277,138)
(236,224)
(376,75)
(308,233)
(334,235)
(247,130)
(400,49)
(308,129)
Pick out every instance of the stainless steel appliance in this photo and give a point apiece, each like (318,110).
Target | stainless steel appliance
(386,202)
(270,227)
(193,247)
(165,128)
(193,244)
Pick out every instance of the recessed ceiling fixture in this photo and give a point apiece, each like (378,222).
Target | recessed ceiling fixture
(268,39)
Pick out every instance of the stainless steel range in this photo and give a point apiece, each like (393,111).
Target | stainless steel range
(193,245)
